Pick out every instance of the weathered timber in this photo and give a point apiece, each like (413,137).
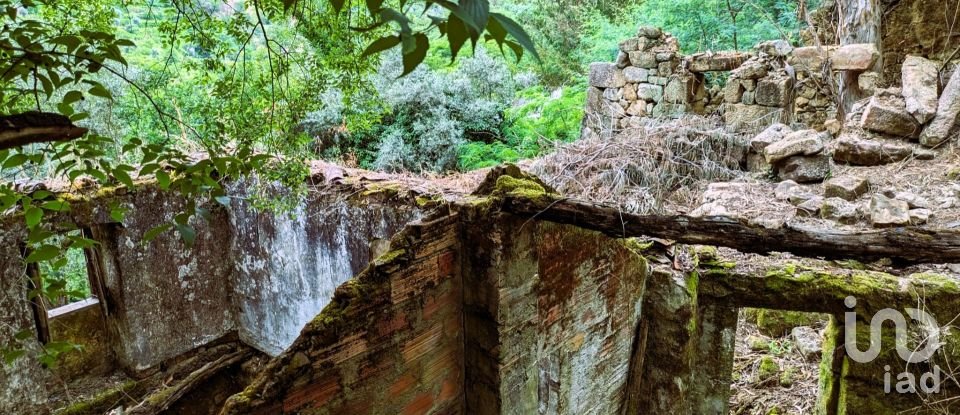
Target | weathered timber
(162,399)
(907,244)
(823,290)
(36,127)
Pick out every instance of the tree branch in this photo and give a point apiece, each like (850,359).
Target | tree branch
(36,127)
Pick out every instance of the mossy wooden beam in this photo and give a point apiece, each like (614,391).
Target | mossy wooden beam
(907,244)
(792,287)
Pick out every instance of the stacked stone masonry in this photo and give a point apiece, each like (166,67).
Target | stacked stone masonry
(773,83)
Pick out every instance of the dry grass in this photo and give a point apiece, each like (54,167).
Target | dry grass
(642,169)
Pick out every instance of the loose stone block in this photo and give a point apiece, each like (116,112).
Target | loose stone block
(919,78)
(635,75)
(846,187)
(642,59)
(805,169)
(888,115)
(857,57)
(650,92)
(773,92)
(948,111)
(606,75)
(721,61)
(804,142)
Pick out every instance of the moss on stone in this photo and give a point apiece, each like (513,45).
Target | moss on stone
(788,377)
(769,368)
(389,257)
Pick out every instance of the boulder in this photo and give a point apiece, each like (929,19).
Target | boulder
(804,142)
(751,69)
(773,92)
(613,94)
(678,90)
(857,57)
(845,187)
(948,110)
(810,208)
(839,210)
(770,135)
(864,152)
(920,81)
(650,92)
(888,115)
(642,59)
(657,80)
(710,209)
(913,200)
(649,32)
(629,45)
(629,92)
(732,91)
(799,197)
(804,169)
(637,108)
(777,48)
(606,75)
(867,82)
(886,212)
(786,188)
(809,342)
(810,58)
(919,216)
(635,75)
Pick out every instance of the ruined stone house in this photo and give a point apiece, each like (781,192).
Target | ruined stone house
(395,297)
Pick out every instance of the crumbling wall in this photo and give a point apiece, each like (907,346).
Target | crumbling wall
(164,299)
(551,317)
(772,83)
(289,264)
(390,341)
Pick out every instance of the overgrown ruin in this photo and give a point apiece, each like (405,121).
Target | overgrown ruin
(391,295)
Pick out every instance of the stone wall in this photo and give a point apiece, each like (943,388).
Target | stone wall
(390,341)
(773,83)
(259,277)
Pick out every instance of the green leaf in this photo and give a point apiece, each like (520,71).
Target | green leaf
(43,253)
(14,161)
(381,45)
(517,32)
(23,335)
(223,200)
(33,216)
(475,14)
(56,205)
(188,234)
(155,232)
(457,35)
(72,96)
(163,179)
(99,91)
(415,57)
(10,356)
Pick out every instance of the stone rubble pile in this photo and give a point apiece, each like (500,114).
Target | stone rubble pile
(902,122)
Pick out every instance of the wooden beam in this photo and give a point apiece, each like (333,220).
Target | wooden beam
(36,127)
(908,244)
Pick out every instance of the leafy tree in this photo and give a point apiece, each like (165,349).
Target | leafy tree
(220,69)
